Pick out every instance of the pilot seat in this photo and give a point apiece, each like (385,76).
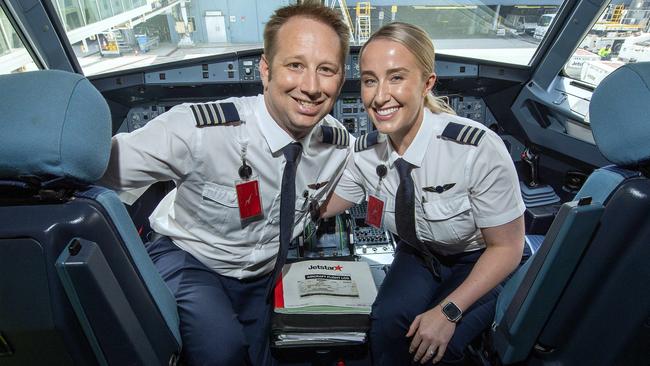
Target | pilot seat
(584,297)
(77,286)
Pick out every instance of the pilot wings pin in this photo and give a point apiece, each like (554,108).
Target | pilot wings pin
(439,189)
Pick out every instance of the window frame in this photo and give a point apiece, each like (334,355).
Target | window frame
(26,41)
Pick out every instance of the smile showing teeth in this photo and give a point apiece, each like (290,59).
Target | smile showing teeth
(306,103)
(387,111)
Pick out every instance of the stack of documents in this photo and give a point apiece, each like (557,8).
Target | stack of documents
(319,338)
(323,302)
(325,287)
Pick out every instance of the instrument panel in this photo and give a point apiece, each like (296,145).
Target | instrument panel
(237,68)
(348,109)
(153,91)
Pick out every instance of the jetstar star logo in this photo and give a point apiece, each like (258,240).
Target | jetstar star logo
(330,268)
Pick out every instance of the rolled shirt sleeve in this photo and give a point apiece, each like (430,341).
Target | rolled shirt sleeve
(159,151)
(495,195)
(350,187)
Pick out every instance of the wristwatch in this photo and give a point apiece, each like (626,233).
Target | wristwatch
(452,312)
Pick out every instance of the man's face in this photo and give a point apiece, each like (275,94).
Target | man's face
(304,78)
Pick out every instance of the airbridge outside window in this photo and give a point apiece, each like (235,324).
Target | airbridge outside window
(112,35)
(13,55)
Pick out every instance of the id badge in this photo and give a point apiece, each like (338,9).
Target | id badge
(375,212)
(249,199)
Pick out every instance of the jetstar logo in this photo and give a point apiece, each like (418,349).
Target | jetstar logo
(329,268)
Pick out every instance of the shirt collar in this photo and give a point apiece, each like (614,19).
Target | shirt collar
(415,152)
(275,136)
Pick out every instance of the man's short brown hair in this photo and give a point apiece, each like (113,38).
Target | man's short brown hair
(313,11)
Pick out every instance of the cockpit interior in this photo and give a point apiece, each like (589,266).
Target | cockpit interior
(564,83)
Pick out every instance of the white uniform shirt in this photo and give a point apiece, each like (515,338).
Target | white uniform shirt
(201,215)
(485,191)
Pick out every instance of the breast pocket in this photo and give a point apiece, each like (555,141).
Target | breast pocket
(219,206)
(449,220)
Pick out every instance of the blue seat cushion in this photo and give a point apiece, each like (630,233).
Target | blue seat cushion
(54,123)
(602,182)
(619,114)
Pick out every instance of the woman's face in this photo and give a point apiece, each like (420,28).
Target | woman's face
(393,88)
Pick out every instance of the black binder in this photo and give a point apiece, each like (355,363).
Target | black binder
(282,324)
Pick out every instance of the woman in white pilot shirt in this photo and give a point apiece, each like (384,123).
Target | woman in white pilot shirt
(467,206)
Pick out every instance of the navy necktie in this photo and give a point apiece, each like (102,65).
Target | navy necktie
(405,203)
(405,216)
(287,207)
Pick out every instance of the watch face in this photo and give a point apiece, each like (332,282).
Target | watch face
(451,311)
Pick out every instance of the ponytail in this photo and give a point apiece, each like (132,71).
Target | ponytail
(438,104)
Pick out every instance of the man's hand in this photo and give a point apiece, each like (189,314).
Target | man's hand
(431,332)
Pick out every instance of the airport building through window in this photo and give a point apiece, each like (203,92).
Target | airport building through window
(13,55)
(112,35)
(146,32)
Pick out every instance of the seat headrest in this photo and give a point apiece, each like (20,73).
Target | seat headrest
(53,123)
(619,112)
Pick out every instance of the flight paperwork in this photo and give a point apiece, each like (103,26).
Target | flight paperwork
(323,302)
(318,338)
(325,287)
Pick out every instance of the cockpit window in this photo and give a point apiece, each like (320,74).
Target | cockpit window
(13,54)
(112,35)
(621,35)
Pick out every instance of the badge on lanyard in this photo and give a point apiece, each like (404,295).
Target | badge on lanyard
(375,212)
(376,202)
(248,194)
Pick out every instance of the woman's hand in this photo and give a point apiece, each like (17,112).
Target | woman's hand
(431,332)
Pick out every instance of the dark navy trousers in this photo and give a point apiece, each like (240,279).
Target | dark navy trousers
(223,321)
(410,289)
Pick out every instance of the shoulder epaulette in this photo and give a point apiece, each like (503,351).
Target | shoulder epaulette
(463,134)
(335,136)
(214,114)
(366,140)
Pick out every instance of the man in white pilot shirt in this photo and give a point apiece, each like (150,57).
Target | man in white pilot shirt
(218,252)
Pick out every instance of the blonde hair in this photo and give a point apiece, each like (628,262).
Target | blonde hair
(417,41)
